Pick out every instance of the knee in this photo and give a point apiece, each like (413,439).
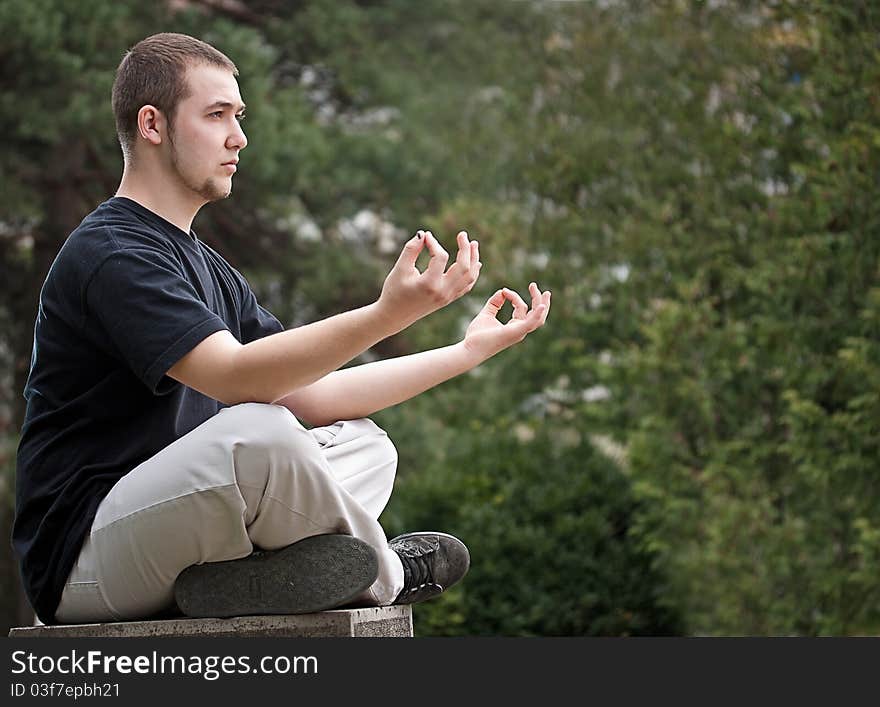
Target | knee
(266,438)
(382,449)
(361,440)
(379,468)
(387,450)
(268,428)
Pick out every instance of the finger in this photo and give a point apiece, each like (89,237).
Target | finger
(540,316)
(520,308)
(473,279)
(463,259)
(439,257)
(546,302)
(535,292)
(475,261)
(473,273)
(494,303)
(411,249)
(535,318)
(520,328)
(459,275)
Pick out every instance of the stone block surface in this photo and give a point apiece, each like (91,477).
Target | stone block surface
(382,621)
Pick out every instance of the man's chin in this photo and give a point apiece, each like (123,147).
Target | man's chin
(214,192)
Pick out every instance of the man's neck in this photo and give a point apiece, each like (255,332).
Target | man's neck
(161,198)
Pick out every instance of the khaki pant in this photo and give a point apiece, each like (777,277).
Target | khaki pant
(251,476)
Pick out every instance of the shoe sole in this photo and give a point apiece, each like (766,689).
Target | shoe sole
(315,574)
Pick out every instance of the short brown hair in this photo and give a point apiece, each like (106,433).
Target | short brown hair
(153,72)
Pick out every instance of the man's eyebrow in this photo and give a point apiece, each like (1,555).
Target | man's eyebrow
(225,104)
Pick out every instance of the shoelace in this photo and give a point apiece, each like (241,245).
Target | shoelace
(417,572)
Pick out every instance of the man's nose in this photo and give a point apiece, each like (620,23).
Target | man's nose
(238,138)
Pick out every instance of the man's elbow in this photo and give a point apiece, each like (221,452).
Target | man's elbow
(227,390)
(239,397)
(220,368)
(242,382)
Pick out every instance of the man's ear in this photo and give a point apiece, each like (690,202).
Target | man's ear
(151,124)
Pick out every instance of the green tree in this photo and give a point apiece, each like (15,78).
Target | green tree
(753,380)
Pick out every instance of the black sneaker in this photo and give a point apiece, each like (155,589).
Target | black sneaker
(432,562)
(315,574)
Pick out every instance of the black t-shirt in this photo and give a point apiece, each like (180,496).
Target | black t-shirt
(128,295)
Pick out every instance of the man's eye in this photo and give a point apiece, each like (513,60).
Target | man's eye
(217,113)
(240,117)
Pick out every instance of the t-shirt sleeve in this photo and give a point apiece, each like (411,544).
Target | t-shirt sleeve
(149,311)
(256,322)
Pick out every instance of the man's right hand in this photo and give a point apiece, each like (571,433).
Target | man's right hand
(408,295)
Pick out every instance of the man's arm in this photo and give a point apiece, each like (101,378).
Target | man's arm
(267,369)
(360,391)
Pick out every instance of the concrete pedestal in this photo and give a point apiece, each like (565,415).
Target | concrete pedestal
(383,621)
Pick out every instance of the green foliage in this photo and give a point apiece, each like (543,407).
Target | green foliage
(754,434)
(547,521)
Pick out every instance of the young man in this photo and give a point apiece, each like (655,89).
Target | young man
(162,455)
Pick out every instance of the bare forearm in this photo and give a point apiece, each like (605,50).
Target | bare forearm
(270,368)
(359,391)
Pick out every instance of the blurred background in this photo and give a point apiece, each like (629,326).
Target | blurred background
(691,445)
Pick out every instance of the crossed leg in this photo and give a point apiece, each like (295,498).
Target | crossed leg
(251,476)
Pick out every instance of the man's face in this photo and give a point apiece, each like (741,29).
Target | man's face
(206,135)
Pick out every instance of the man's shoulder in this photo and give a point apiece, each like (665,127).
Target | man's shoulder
(102,234)
(106,231)
(112,226)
